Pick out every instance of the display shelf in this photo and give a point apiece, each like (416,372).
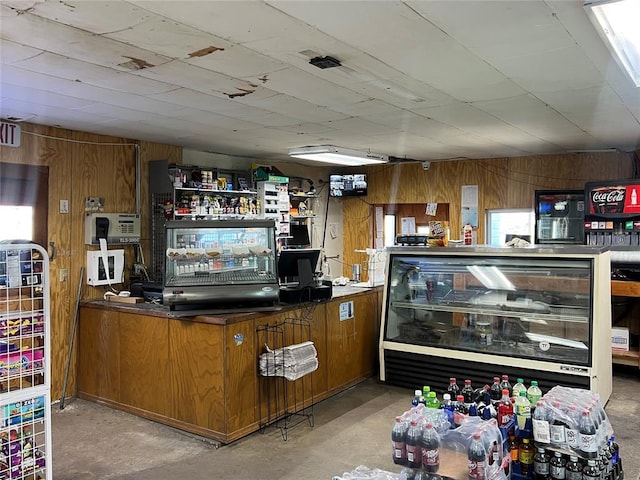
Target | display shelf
(624,288)
(210,189)
(25,417)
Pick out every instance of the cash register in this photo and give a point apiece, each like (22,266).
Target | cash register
(297,276)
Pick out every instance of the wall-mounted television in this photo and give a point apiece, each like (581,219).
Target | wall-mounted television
(348,185)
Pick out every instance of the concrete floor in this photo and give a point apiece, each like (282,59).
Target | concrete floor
(353,428)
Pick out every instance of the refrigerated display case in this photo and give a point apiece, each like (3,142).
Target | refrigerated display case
(541,313)
(559,217)
(220,262)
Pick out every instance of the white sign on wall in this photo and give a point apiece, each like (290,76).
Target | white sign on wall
(9,134)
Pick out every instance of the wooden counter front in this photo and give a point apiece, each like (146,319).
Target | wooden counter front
(200,374)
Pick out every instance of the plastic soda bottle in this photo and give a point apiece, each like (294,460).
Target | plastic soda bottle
(504,384)
(523,410)
(430,448)
(495,391)
(417,398)
(572,433)
(453,389)
(447,406)
(525,457)
(534,393)
(558,467)
(432,400)
(591,471)
(513,447)
(573,469)
(588,435)
(398,437)
(558,426)
(460,411)
(425,391)
(467,392)
(477,459)
(540,423)
(518,387)
(541,464)
(414,448)
(505,409)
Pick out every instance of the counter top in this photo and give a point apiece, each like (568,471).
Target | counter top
(214,316)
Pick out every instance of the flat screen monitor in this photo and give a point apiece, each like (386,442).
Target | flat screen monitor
(298,266)
(348,185)
(299,234)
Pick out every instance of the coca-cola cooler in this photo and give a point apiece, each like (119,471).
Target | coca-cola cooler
(559,217)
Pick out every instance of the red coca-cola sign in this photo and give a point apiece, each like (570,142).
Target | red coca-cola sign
(609,199)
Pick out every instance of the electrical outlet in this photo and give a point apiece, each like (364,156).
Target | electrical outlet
(64,206)
(64,274)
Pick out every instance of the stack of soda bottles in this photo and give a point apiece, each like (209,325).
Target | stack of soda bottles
(574,438)
(419,433)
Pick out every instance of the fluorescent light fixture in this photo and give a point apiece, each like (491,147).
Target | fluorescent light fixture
(617,24)
(338,155)
(491,277)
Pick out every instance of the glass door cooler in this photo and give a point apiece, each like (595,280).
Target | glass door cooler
(540,313)
(559,217)
(226,263)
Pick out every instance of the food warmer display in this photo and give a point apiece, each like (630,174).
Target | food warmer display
(539,312)
(222,263)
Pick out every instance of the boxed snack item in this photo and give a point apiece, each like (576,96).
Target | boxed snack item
(438,233)
(620,338)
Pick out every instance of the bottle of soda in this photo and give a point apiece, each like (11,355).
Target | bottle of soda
(460,411)
(430,448)
(447,406)
(467,392)
(572,432)
(417,398)
(425,391)
(573,468)
(518,387)
(494,456)
(541,465)
(505,409)
(414,448)
(398,438)
(588,435)
(525,457)
(495,391)
(591,471)
(477,459)
(513,446)
(616,461)
(540,423)
(453,389)
(505,385)
(557,467)
(558,426)
(534,393)
(523,410)
(432,400)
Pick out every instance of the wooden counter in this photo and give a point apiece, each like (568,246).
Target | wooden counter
(199,374)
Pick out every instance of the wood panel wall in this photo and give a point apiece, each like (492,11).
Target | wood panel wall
(502,183)
(82,165)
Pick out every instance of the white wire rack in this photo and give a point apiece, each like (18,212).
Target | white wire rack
(25,405)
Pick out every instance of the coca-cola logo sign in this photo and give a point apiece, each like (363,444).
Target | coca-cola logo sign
(607,197)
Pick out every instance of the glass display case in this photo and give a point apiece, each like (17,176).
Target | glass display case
(220,262)
(541,313)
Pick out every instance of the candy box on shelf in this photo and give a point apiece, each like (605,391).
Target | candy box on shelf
(620,338)
(20,362)
(17,413)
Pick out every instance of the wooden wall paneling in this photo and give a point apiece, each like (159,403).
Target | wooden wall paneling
(144,358)
(98,351)
(198,394)
(241,366)
(353,341)
(357,234)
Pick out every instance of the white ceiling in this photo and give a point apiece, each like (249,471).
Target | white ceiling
(423,80)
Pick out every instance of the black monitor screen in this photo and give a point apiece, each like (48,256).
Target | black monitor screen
(298,266)
(299,234)
(348,185)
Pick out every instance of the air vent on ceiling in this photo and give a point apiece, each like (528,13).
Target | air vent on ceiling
(325,62)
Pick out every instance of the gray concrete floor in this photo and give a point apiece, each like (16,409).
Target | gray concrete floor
(91,441)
